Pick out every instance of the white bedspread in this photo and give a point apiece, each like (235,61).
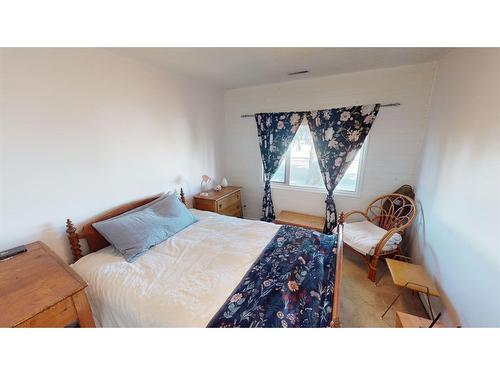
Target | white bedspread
(180,283)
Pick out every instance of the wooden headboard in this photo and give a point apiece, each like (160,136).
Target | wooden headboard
(94,239)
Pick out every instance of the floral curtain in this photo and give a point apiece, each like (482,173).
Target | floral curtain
(338,134)
(276,132)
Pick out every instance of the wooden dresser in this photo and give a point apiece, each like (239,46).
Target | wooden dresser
(37,289)
(224,202)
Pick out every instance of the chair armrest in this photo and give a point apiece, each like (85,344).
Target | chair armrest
(356,212)
(381,244)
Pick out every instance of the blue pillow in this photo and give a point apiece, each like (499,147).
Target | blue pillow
(134,233)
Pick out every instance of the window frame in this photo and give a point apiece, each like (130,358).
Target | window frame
(310,189)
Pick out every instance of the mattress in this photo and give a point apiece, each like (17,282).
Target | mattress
(181,282)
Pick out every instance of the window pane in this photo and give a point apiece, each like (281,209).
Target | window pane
(348,182)
(304,168)
(279,175)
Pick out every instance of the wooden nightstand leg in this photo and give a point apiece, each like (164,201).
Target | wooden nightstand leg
(83,310)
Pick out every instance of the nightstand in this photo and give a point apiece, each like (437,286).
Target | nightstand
(37,289)
(224,202)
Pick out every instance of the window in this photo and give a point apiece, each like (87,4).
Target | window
(299,167)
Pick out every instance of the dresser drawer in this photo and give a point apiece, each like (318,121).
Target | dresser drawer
(229,202)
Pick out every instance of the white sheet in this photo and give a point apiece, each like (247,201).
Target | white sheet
(181,282)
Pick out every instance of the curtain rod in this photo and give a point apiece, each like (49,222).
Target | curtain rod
(382,105)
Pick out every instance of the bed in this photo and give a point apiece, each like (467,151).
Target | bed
(196,278)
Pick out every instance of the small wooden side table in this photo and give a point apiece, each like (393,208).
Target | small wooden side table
(225,202)
(411,276)
(37,289)
(404,320)
(316,223)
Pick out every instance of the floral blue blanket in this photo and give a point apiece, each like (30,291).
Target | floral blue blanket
(289,285)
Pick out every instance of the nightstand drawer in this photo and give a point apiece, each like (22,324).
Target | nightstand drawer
(232,211)
(228,203)
(71,310)
(59,315)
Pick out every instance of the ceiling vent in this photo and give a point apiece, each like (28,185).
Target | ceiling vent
(299,72)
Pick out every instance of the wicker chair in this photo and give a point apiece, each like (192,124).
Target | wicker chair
(392,212)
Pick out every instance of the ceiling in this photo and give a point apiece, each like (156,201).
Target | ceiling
(239,67)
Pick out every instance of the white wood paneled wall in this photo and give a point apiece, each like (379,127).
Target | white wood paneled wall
(394,144)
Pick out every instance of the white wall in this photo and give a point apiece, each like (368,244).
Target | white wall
(84,130)
(394,143)
(457,233)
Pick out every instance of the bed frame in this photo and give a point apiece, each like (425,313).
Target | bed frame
(337,286)
(97,242)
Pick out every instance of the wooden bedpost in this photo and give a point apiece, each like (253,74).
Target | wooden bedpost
(183,198)
(74,240)
(335,323)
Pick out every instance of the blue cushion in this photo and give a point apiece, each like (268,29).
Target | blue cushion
(134,233)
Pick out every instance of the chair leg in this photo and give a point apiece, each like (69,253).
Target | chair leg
(381,277)
(372,269)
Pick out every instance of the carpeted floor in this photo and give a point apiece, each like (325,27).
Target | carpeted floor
(362,302)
